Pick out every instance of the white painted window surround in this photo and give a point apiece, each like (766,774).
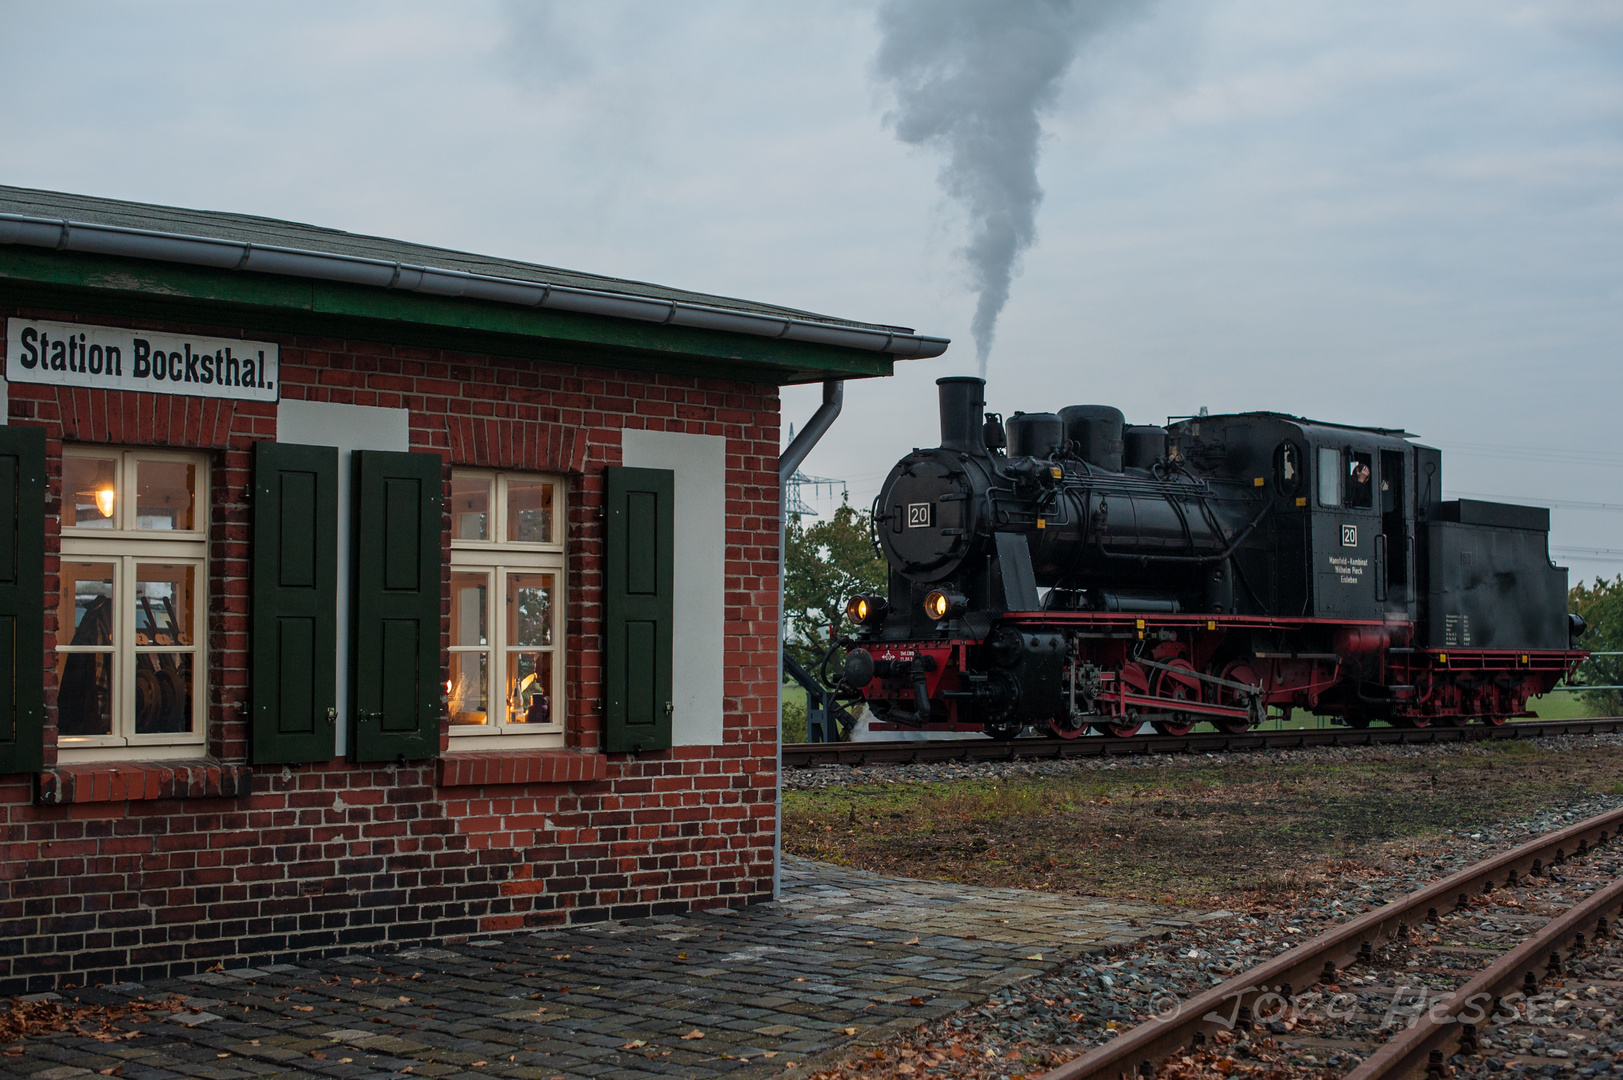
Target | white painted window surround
(350,428)
(698,679)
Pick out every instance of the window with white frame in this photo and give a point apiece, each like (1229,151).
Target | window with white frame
(131,603)
(507,605)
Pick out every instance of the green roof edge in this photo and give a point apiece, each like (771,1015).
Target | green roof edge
(111,285)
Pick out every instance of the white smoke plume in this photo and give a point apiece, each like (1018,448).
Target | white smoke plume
(972,78)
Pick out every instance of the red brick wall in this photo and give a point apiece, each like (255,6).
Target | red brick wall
(334,856)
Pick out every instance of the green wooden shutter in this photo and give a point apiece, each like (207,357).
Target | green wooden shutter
(295,582)
(22,584)
(637,610)
(395,590)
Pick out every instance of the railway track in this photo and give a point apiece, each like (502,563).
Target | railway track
(805,755)
(1506,965)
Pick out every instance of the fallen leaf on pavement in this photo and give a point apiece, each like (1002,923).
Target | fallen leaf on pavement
(694,1034)
(33,1018)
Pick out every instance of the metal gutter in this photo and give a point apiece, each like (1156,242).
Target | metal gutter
(65,235)
(788,462)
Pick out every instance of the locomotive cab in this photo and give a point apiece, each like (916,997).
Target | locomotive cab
(1339,544)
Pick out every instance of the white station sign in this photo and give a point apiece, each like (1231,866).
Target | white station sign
(115,358)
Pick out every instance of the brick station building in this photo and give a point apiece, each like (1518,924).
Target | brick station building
(390,593)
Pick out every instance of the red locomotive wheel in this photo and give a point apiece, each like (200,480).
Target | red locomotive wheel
(1177,686)
(1121,728)
(1496,721)
(1239,671)
(1066,727)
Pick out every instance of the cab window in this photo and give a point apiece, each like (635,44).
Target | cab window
(1360,481)
(1288,468)
(1329,476)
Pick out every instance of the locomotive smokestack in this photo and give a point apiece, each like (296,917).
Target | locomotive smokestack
(963,409)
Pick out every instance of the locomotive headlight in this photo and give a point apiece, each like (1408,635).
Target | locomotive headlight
(941,604)
(864,610)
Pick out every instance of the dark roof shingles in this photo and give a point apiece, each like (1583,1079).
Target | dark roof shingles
(291,234)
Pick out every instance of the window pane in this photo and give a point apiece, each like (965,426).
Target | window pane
(529,688)
(470,507)
(163,604)
(529,609)
(468,682)
(1329,476)
(84,693)
(165,495)
(469,612)
(85,614)
(89,492)
(163,693)
(529,511)
(1359,483)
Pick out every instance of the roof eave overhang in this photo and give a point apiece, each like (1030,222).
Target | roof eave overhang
(397,301)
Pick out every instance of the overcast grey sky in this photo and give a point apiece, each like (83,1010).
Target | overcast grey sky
(1389,213)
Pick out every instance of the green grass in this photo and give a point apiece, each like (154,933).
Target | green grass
(1560,706)
(1189,829)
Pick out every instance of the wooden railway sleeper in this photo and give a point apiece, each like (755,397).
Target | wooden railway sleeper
(1155,1039)
(1401,1056)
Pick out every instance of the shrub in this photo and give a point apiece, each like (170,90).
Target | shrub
(794,719)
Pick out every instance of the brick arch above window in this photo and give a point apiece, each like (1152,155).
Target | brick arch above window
(138,419)
(524,445)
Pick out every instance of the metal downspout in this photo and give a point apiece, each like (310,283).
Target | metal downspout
(788,462)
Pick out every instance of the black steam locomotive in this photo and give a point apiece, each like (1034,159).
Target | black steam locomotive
(1067,572)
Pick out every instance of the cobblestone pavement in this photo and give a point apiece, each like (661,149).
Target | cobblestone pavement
(844,956)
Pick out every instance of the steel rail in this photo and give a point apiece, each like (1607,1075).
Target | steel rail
(1410,1053)
(1314,960)
(803,755)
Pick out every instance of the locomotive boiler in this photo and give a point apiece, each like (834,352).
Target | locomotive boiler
(1068,571)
